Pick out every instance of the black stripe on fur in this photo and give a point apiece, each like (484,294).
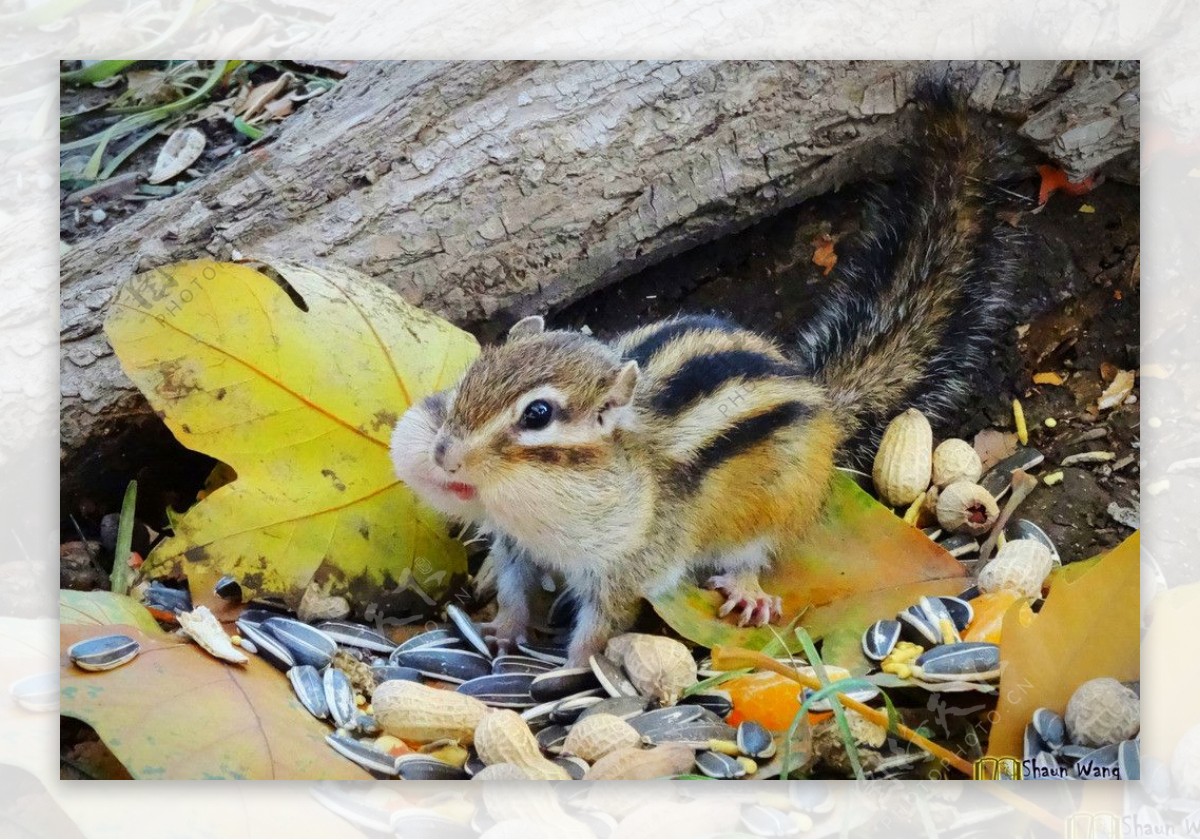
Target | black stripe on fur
(644,350)
(700,376)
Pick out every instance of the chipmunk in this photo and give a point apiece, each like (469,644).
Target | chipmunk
(693,443)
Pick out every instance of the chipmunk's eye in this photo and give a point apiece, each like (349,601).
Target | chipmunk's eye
(537,415)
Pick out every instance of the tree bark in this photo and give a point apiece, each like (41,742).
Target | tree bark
(487,190)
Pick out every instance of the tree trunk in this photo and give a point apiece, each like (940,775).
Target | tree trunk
(487,190)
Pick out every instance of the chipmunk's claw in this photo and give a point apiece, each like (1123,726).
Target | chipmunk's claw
(743,594)
(502,637)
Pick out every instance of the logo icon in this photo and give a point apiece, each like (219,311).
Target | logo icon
(991,769)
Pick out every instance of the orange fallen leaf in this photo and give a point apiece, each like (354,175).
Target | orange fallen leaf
(823,254)
(1054,179)
(1047,378)
(1087,628)
(174,712)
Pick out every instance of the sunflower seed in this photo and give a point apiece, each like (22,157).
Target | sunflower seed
(563,682)
(551,738)
(966,660)
(916,627)
(1129,760)
(307,645)
(500,691)
(663,718)
(513,664)
(764,821)
(720,703)
(103,653)
(228,588)
(339,696)
(623,707)
(575,766)
(612,677)
(356,635)
(383,673)
(696,734)
(467,629)
(754,740)
(362,754)
(266,645)
(424,768)
(939,617)
(959,610)
(719,766)
(553,654)
(310,690)
(1050,727)
(569,709)
(998,480)
(880,638)
(451,664)
(37,693)
(430,638)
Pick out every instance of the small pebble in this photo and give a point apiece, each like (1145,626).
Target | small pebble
(98,215)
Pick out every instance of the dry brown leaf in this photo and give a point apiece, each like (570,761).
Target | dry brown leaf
(1117,391)
(1070,641)
(260,95)
(993,446)
(823,253)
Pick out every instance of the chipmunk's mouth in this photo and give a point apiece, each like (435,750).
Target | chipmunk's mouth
(465,492)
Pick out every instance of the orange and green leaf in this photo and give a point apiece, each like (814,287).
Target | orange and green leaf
(858,564)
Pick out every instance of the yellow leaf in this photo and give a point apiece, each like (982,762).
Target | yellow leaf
(299,398)
(1087,628)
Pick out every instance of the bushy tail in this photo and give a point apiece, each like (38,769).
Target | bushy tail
(919,298)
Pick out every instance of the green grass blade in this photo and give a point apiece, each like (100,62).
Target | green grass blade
(712,682)
(93,73)
(122,572)
(839,713)
(244,128)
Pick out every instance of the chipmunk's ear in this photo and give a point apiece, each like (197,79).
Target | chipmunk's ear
(615,410)
(532,325)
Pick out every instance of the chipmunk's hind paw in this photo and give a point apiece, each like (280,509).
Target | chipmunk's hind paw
(744,596)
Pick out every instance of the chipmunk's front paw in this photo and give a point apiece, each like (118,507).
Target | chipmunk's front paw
(504,633)
(744,595)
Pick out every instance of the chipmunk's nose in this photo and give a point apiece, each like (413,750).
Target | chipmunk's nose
(447,454)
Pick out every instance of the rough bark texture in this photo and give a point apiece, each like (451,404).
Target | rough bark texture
(483,191)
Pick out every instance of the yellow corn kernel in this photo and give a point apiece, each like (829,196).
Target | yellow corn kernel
(726,747)
(914,510)
(1019,419)
(949,631)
